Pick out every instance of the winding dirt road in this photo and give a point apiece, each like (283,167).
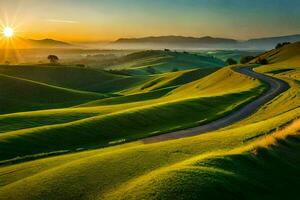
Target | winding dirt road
(276,87)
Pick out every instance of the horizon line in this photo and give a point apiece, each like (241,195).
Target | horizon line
(153,36)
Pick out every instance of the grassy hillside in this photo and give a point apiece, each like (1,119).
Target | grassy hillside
(252,159)
(170,80)
(121,119)
(151,169)
(19,94)
(157,86)
(286,66)
(234,54)
(288,54)
(254,171)
(219,83)
(153,62)
(73,77)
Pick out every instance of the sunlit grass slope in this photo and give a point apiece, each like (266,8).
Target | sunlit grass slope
(23,120)
(285,56)
(265,169)
(125,119)
(284,64)
(155,61)
(137,171)
(238,162)
(221,82)
(234,54)
(24,95)
(73,77)
(170,80)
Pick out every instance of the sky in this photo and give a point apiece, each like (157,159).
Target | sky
(108,20)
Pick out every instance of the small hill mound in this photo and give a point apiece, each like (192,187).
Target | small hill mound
(156,87)
(287,53)
(62,76)
(284,62)
(24,95)
(138,116)
(171,79)
(222,81)
(22,43)
(156,61)
(178,40)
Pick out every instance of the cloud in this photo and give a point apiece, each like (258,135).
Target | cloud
(62,21)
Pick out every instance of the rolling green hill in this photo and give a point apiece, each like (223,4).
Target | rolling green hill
(253,158)
(170,80)
(285,56)
(149,171)
(19,94)
(234,54)
(126,118)
(253,171)
(73,77)
(153,62)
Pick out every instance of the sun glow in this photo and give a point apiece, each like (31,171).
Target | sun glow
(8,32)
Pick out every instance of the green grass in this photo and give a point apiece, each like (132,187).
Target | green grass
(84,79)
(172,79)
(130,98)
(106,122)
(24,95)
(267,169)
(124,125)
(238,162)
(162,61)
(288,54)
(24,120)
(234,54)
(118,170)
(279,71)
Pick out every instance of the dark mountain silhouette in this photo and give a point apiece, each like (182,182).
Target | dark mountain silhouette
(44,43)
(175,41)
(203,42)
(270,42)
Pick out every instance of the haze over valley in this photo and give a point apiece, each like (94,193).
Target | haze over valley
(138,99)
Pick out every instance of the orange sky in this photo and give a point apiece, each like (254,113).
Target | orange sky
(96,20)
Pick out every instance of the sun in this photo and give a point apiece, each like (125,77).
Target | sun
(8,32)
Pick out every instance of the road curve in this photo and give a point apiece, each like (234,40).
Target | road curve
(276,87)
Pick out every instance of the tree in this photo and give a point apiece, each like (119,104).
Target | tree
(53,59)
(263,61)
(80,65)
(231,61)
(150,70)
(246,59)
(279,45)
(175,70)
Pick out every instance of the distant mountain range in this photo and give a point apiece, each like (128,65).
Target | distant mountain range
(178,40)
(22,43)
(160,42)
(174,42)
(46,43)
(203,42)
(270,42)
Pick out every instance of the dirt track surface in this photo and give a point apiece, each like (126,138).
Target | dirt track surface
(276,87)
